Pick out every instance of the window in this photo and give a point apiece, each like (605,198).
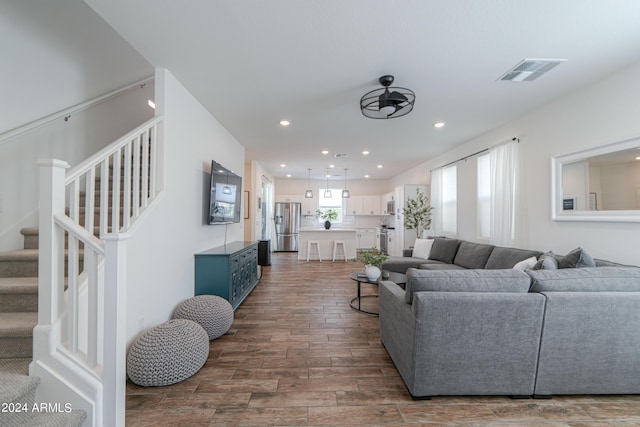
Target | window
(484,196)
(333,202)
(450,200)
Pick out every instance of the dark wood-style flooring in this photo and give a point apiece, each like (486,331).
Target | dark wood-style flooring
(298,355)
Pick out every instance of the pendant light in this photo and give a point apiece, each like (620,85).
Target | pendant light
(345,192)
(309,194)
(327,192)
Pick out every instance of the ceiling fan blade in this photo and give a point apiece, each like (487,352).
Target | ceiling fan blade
(397,97)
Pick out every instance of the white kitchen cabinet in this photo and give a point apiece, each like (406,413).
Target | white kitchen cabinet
(363,205)
(371,205)
(353,205)
(309,206)
(366,238)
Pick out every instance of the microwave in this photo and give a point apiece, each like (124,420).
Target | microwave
(391,207)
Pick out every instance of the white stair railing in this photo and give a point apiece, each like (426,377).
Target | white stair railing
(80,335)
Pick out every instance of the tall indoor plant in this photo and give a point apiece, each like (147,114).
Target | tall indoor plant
(417,213)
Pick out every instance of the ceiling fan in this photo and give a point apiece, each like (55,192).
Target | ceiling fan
(387,102)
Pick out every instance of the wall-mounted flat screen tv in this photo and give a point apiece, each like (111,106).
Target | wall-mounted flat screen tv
(225,195)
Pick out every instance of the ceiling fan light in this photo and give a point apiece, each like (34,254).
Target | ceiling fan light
(387,110)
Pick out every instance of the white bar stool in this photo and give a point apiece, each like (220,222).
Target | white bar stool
(337,243)
(309,245)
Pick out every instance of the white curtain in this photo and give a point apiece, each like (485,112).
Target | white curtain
(436,202)
(505,171)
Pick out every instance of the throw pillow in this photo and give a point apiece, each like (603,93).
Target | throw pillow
(526,264)
(577,258)
(444,249)
(421,248)
(547,261)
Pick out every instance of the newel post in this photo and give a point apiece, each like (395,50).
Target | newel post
(51,252)
(115,326)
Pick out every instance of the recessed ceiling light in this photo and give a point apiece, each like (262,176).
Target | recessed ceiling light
(282,165)
(379,166)
(285,122)
(332,166)
(288,175)
(325,151)
(638,158)
(438,125)
(365,152)
(366,176)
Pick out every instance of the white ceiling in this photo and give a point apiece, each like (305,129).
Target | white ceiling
(252,63)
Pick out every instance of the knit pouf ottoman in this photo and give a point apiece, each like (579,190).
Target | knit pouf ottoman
(168,353)
(213,313)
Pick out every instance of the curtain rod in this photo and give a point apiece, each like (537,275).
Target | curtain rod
(471,155)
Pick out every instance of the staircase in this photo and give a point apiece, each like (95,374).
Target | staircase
(81,260)
(18,317)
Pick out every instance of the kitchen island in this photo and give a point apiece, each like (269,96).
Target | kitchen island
(326,239)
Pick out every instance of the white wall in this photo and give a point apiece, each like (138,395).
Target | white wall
(162,248)
(254,172)
(599,114)
(85,133)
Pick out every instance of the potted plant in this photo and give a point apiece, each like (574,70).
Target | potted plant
(328,214)
(372,259)
(417,213)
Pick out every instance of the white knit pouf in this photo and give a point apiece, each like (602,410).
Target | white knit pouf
(168,353)
(212,312)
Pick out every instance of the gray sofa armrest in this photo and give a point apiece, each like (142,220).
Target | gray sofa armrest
(397,327)
(400,264)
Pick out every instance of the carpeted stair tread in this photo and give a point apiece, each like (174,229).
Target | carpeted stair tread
(20,255)
(17,366)
(53,419)
(18,285)
(14,386)
(17,324)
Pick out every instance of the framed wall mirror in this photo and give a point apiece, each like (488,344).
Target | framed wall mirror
(598,184)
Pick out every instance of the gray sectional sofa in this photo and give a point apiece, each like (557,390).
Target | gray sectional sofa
(500,331)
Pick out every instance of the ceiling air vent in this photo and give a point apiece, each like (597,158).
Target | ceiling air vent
(340,156)
(528,70)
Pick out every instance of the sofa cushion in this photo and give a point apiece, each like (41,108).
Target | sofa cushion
(577,258)
(440,266)
(526,264)
(444,249)
(587,279)
(465,281)
(547,261)
(502,257)
(472,255)
(421,248)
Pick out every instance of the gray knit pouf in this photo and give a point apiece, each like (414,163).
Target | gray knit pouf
(213,313)
(168,353)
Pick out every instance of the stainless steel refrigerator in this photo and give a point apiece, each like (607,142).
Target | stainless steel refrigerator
(287,221)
